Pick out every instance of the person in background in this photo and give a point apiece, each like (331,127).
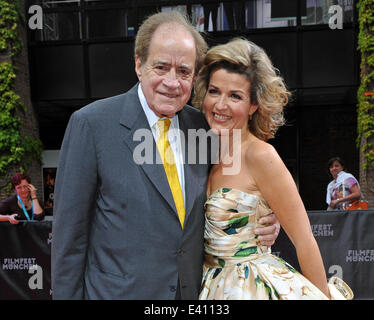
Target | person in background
(344,189)
(24,205)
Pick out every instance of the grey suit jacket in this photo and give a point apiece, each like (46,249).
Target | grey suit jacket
(116,233)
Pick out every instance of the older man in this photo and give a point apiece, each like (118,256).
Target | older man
(124,229)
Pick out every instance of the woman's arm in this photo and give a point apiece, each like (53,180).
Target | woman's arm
(6,213)
(328,195)
(355,195)
(279,190)
(11,218)
(37,207)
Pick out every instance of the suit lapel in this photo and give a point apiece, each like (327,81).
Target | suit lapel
(133,118)
(190,169)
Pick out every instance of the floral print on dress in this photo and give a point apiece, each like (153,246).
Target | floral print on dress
(236,265)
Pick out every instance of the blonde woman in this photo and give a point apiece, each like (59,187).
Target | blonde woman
(239,91)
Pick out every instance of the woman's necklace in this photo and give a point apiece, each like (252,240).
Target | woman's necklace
(26,203)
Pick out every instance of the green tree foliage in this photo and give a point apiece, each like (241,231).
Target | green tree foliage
(16,150)
(365,119)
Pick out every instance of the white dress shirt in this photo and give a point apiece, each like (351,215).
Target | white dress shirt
(173,135)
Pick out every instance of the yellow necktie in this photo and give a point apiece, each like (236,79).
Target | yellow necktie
(167,157)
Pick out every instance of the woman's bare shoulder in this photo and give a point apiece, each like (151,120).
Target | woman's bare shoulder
(261,152)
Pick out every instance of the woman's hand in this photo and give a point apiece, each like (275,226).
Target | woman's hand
(32,190)
(12,218)
(333,203)
(37,208)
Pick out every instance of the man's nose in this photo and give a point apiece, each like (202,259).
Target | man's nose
(171,79)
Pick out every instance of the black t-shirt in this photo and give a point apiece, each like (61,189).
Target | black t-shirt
(10,206)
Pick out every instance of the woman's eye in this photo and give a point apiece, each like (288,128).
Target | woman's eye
(212,91)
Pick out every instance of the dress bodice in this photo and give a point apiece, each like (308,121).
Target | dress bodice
(236,266)
(231,216)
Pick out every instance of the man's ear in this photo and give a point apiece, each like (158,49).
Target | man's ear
(138,67)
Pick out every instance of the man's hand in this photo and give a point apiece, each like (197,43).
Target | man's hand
(269,233)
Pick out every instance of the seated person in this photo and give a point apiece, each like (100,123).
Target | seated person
(24,205)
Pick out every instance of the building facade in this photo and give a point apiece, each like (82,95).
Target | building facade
(84,52)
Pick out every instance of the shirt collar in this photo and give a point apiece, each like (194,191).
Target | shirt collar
(151,116)
(340,175)
(149,113)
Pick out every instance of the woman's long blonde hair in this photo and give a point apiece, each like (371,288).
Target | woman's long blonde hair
(267,89)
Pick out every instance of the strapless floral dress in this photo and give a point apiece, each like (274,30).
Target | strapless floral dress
(237,266)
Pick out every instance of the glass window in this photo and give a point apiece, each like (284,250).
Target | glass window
(197,16)
(60,26)
(57,3)
(216,16)
(110,23)
(233,13)
(102,2)
(64,80)
(182,9)
(328,58)
(283,13)
(285,141)
(318,11)
(250,15)
(111,68)
(144,12)
(272,13)
(282,52)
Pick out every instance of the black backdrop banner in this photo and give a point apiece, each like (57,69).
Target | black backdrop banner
(345,238)
(25,260)
(346,242)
